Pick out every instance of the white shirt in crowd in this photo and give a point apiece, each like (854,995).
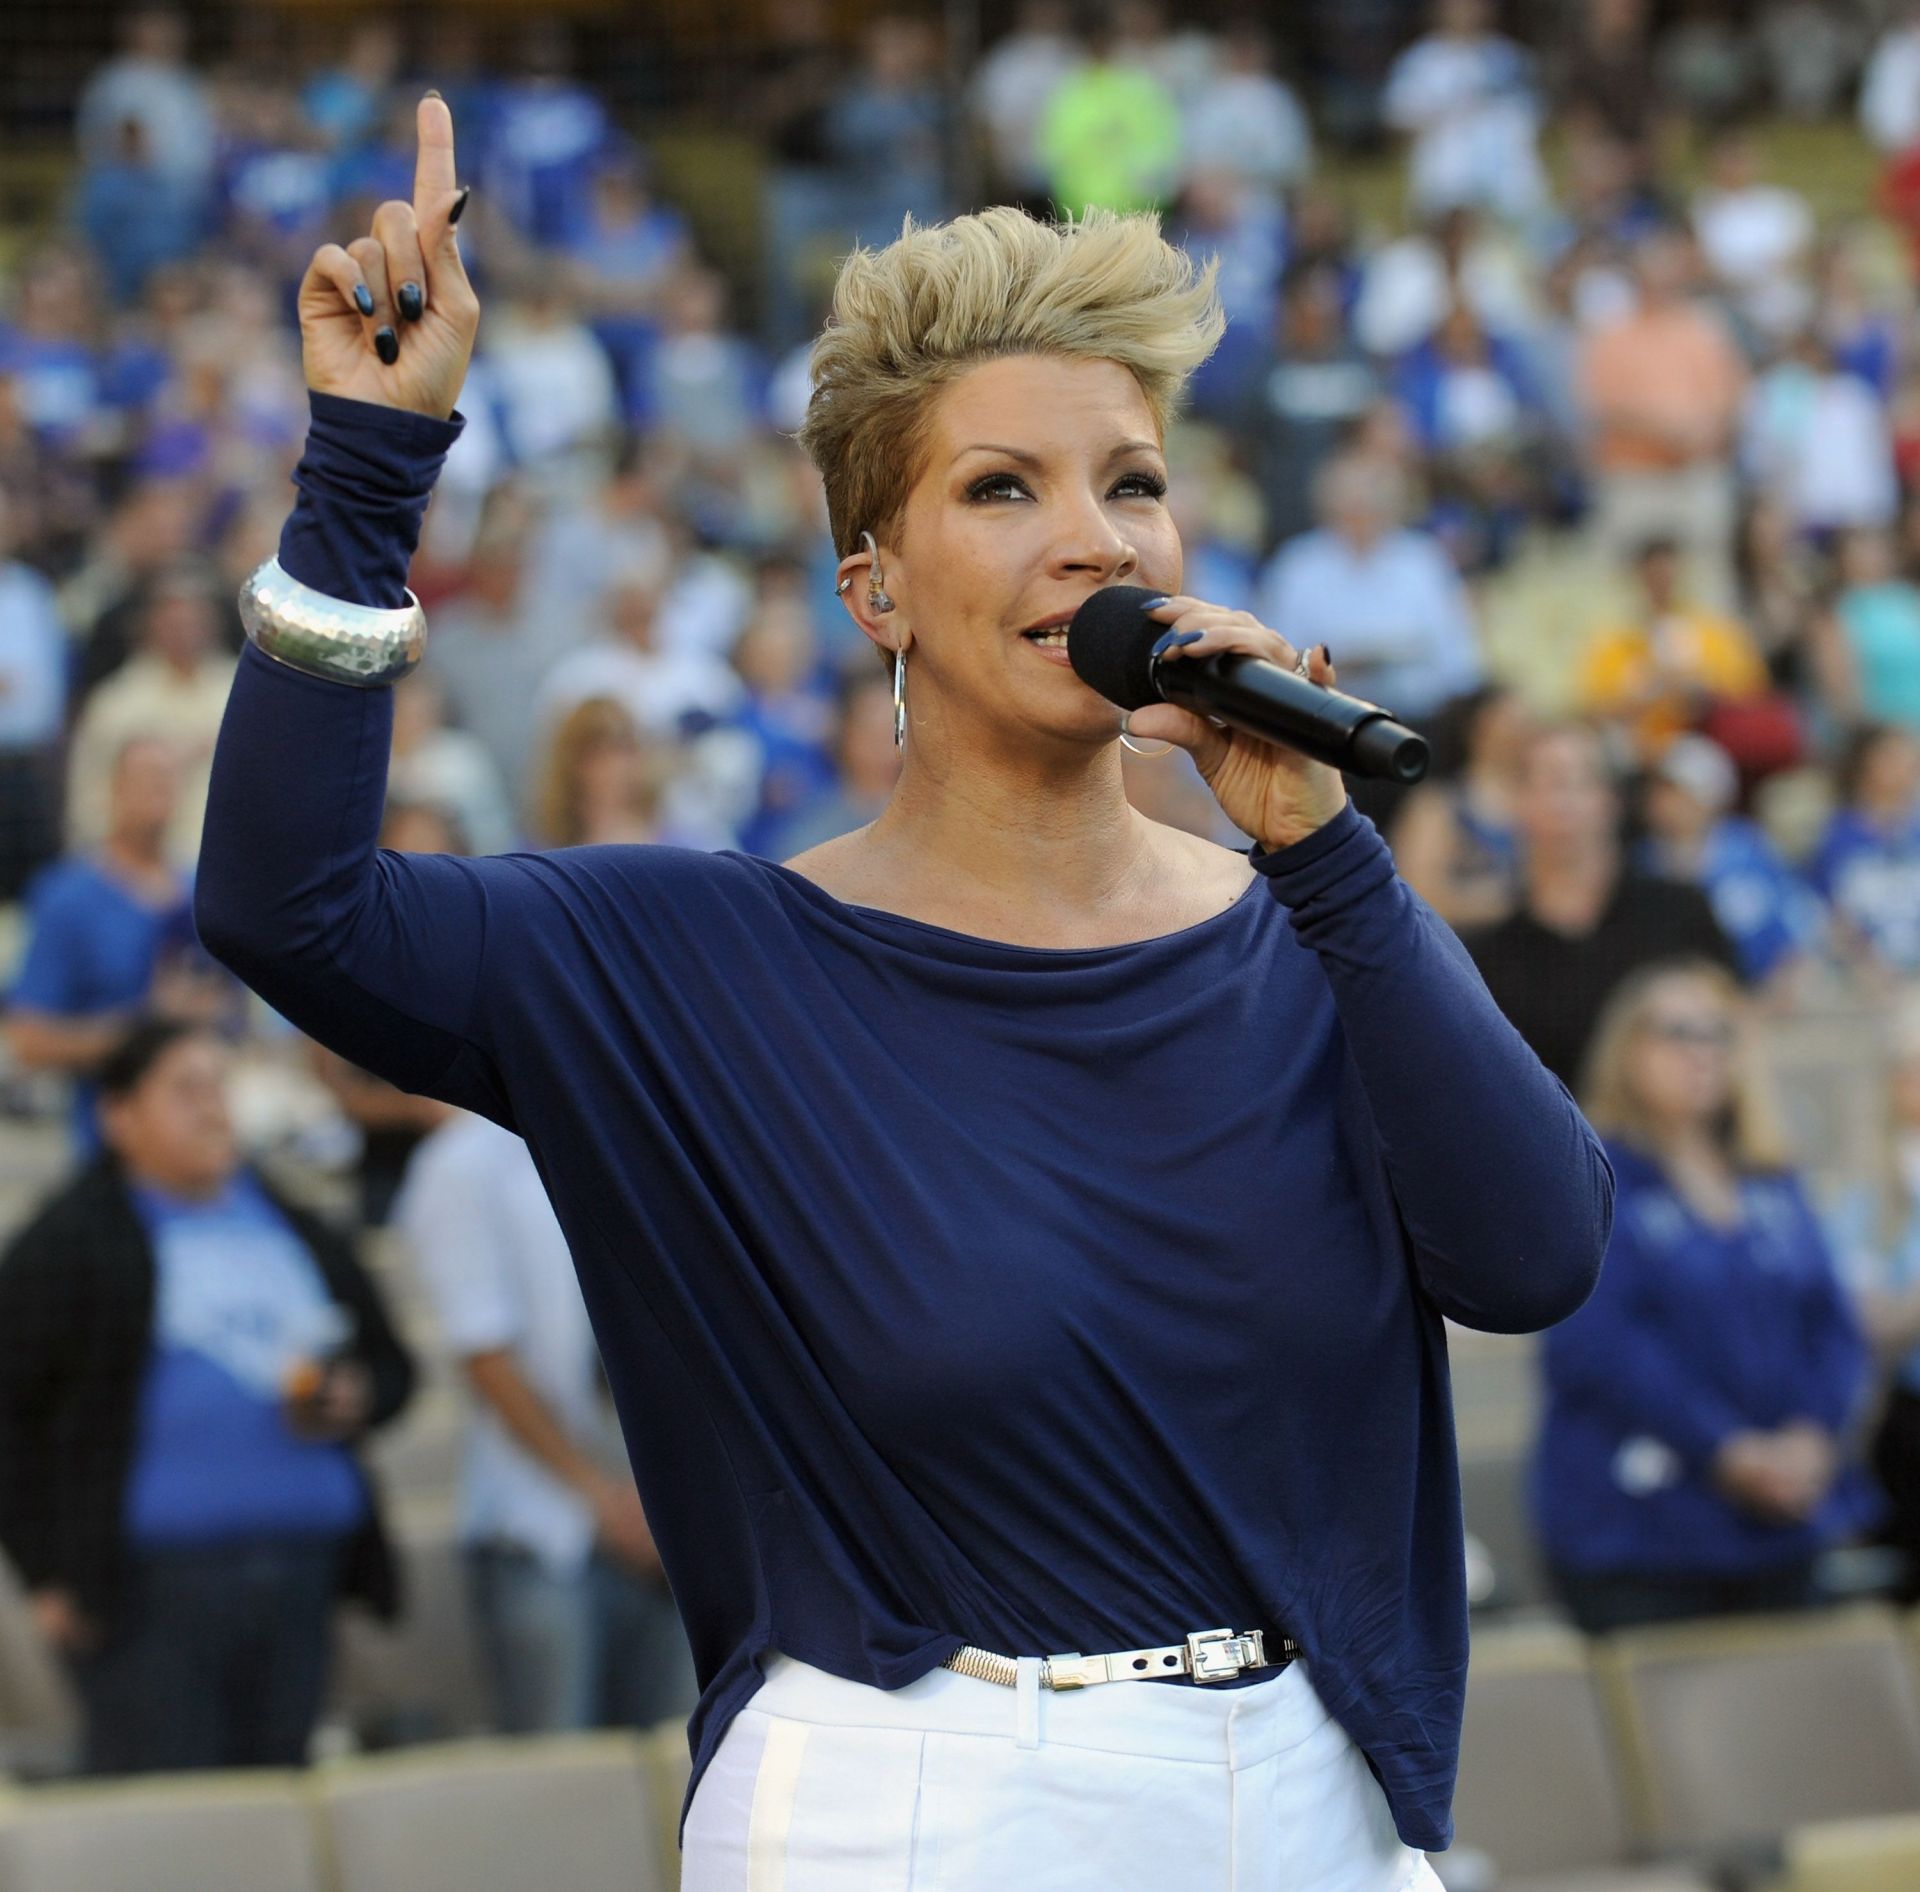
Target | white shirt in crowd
(1251,124)
(1890,91)
(1470,108)
(1395,615)
(498,1273)
(657,688)
(33,660)
(1820,443)
(1754,241)
(1011,87)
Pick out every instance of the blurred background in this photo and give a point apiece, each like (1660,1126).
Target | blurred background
(1570,393)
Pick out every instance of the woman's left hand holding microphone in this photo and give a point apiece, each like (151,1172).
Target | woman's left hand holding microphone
(1271,792)
(391,318)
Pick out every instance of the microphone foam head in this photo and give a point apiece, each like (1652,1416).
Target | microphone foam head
(1110,645)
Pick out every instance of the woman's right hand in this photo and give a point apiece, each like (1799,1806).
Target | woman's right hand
(358,338)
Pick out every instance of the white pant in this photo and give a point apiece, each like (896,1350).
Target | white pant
(957,1785)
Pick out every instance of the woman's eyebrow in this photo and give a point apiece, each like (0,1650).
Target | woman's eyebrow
(1024,458)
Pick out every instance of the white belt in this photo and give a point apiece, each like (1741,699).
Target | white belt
(1208,1655)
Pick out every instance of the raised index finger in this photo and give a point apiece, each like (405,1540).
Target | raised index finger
(434,183)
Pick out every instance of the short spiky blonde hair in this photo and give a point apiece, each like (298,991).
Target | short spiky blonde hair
(911,318)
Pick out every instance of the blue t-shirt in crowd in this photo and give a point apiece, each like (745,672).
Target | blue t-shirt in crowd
(1870,876)
(238,1302)
(1695,1332)
(93,946)
(1763,906)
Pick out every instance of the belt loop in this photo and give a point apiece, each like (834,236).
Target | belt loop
(1026,1701)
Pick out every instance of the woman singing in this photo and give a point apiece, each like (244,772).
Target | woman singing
(1018,1233)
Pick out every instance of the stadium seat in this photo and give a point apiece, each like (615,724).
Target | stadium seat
(253,1832)
(565,1811)
(1736,1731)
(1855,1856)
(669,1763)
(1538,1792)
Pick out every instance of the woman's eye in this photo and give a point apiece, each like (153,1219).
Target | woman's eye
(997,486)
(1149,484)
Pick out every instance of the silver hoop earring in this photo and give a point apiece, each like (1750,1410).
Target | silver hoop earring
(877,599)
(1127,741)
(899,698)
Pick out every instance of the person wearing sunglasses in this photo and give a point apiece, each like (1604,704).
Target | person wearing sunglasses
(1696,1454)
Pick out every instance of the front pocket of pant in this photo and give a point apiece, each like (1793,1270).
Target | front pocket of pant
(834,1809)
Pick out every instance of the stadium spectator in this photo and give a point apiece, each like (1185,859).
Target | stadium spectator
(1465,95)
(546,134)
(1890,88)
(134,215)
(174,686)
(33,701)
(150,82)
(1868,653)
(389,1123)
(599,781)
(788,711)
(1454,838)
(1110,131)
(1011,85)
(110,937)
(1470,402)
(446,768)
(1586,919)
(1756,238)
(1384,596)
(1303,393)
(344,102)
(1246,120)
(1658,673)
(495,640)
(1778,595)
(1663,388)
(186,1363)
(660,689)
(866,762)
(576,1622)
(1775,921)
(1875,1228)
(1867,862)
(1694,1458)
(559,399)
(1817,438)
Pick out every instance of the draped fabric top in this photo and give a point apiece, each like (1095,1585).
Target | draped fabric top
(956,1291)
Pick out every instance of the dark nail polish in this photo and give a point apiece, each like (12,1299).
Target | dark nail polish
(1154,604)
(429,93)
(1188,637)
(363,298)
(386,344)
(459,205)
(412,303)
(1326,656)
(1161,643)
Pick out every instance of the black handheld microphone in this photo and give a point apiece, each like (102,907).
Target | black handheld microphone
(1110,645)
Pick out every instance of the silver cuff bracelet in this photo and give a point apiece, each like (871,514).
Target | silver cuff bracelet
(327,637)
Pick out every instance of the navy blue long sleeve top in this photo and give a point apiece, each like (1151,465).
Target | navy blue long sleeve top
(949,1290)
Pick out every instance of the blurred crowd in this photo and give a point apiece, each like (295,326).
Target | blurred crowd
(1595,335)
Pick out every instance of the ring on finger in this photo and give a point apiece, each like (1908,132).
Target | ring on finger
(1300,664)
